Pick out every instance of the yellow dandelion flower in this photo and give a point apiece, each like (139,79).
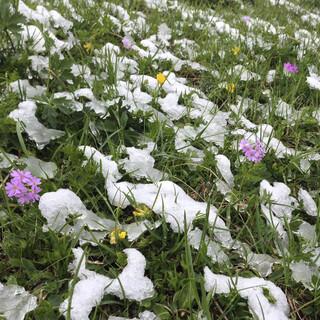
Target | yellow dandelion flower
(161,78)
(235,51)
(116,235)
(141,211)
(88,46)
(231,87)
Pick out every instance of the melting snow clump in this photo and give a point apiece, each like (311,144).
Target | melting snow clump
(266,301)
(89,291)
(16,302)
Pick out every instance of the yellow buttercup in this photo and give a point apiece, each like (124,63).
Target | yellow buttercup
(161,78)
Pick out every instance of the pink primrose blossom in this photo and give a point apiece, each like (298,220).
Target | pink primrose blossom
(23,186)
(290,68)
(253,153)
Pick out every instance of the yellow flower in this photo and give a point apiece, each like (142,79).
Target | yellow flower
(231,87)
(116,235)
(161,78)
(141,211)
(235,51)
(88,46)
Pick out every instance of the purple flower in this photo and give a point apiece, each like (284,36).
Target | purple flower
(21,175)
(252,153)
(24,199)
(290,68)
(245,145)
(23,186)
(15,188)
(33,181)
(127,42)
(29,197)
(246,19)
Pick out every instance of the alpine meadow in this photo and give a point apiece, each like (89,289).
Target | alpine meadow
(160,159)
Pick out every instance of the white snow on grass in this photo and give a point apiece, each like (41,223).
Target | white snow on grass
(65,212)
(33,34)
(23,87)
(7,160)
(277,206)
(145,315)
(41,135)
(39,168)
(302,272)
(214,249)
(308,233)
(89,291)
(281,203)
(266,301)
(259,262)
(165,198)
(243,73)
(15,302)
(140,164)
(223,165)
(308,203)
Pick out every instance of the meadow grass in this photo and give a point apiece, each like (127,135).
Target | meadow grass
(38,260)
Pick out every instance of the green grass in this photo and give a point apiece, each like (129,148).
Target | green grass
(38,260)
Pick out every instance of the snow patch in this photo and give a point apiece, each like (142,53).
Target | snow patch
(253,290)
(16,302)
(37,132)
(89,291)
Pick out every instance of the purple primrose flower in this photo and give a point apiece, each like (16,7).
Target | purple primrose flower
(290,68)
(23,186)
(252,153)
